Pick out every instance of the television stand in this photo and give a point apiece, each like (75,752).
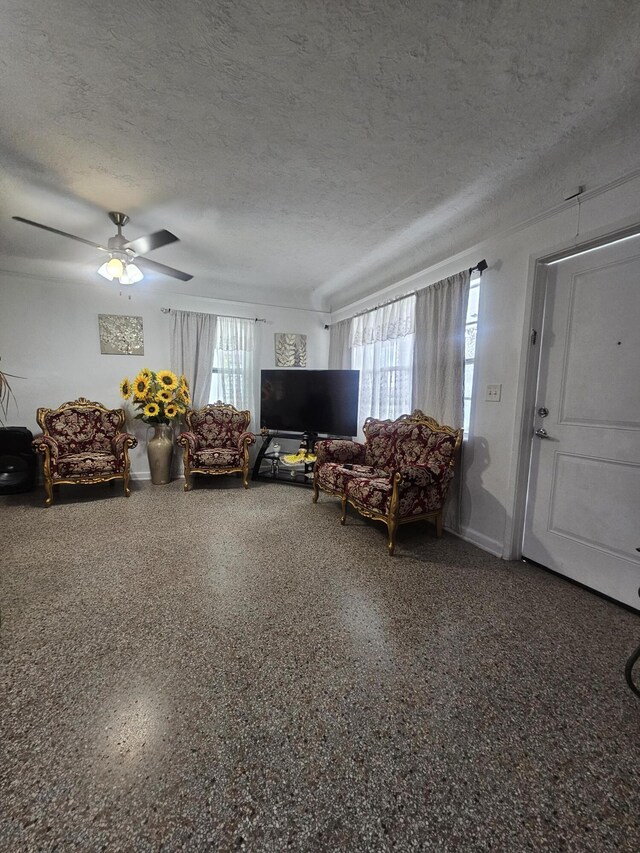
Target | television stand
(269,466)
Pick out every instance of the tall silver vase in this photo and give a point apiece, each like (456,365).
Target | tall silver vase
(160,452)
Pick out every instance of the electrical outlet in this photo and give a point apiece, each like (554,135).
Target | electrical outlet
(494,393)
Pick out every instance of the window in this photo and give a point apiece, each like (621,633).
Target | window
(233,373)
(382,350)
(381,345)
(470,331)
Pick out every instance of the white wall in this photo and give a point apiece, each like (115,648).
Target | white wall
(491,455)
(49,336)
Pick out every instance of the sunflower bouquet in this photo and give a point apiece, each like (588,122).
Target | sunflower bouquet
(159,397)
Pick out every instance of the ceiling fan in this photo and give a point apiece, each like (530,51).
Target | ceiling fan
(122,252)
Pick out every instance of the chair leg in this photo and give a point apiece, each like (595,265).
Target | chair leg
(392,526)
(245,476)
(316,491)
(343,519)
(48,492)
(628,671)
(188,478)
(438,520)
(127,490)
(392,517)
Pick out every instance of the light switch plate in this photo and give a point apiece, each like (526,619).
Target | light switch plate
(494,393)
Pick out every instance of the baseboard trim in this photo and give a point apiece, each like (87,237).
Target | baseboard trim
(145,476)
(468,534)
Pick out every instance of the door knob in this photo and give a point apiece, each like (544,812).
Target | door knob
(543,411)
(542,433)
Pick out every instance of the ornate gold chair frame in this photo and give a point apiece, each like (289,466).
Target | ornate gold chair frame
(186,439)
(391,518)
(45,444)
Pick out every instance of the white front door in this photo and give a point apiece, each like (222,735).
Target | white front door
(583,501)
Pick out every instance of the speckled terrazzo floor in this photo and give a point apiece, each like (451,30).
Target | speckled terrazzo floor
(226,670)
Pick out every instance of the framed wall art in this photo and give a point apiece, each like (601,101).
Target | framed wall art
(291,350)
(120,334)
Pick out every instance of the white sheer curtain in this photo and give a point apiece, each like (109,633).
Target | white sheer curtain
(191,351)
(381,343)
(233,377)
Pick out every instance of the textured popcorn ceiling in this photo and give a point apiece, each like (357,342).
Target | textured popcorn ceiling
(305,152)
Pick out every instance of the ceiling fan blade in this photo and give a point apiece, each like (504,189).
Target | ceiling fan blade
(154,266)
(142,245)
(61,233)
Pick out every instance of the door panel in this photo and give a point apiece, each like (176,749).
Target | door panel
(583,499)
(580,502)
(599,352)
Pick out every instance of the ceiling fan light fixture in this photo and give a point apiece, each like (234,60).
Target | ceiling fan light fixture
(115,267)
(104,272)
(119,270)
(131,274)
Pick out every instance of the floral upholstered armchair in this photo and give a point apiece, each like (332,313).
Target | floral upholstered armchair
(216,442)
(83,442)
(400,474)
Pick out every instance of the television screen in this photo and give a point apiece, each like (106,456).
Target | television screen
(320,401)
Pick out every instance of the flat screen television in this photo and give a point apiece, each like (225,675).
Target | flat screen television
(315,401)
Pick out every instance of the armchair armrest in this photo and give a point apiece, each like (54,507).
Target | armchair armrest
(47,445)
(188,439)
(422,475)
(340,450)
(122,441)
(246,439)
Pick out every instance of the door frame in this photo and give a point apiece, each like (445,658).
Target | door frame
(529,381)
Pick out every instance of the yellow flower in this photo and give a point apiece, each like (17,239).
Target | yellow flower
(125,389)
(171,410)
(151,410)
(167,379)
(140,386)
(146,372)
(183,381)
(163,396)
(184,395)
